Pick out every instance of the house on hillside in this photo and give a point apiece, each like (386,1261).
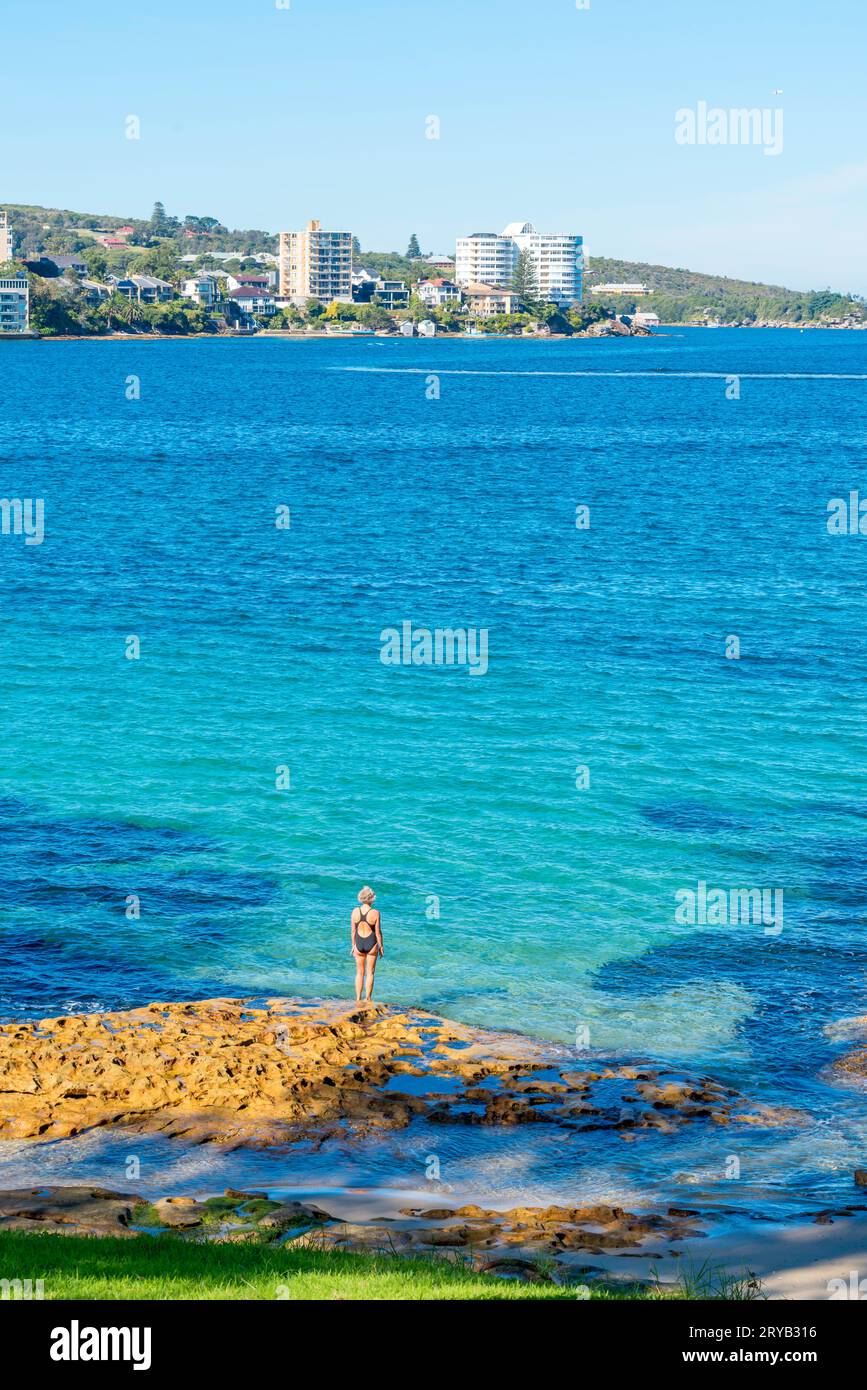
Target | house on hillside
(203,289)
(631,287)
(252,300)
(363,285)
(246,279)
(144,289)
(438,292)
(392,294)
(94,291)
(75,263)
(484,301)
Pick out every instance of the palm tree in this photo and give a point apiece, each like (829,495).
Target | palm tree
(118,307)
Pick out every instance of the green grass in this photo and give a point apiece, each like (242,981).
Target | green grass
(172,1266)
(707,1281)
(169,1267)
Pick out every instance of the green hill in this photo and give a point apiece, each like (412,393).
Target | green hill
(678,295)
(686,296)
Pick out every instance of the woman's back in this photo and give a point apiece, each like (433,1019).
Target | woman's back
(365,920)
(365,937)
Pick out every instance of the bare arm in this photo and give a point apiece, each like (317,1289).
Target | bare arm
(378,929)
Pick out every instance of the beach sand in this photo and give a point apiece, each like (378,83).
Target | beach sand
(791,1261)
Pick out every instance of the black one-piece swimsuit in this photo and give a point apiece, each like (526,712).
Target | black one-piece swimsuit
(364,943)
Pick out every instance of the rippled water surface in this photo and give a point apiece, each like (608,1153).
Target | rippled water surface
(510,897)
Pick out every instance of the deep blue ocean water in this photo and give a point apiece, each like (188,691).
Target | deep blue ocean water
(450,793)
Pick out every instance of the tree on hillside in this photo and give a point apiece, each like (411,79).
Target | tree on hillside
(97,262)
(413,251)
(580,316)
(118,309)
(203,225)
(417,310)
(158,217)
(525,282)
(66,243)
(159,260)
(356,246)
(58,307)
(374,316)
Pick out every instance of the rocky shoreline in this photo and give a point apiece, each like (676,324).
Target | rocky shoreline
(260,1073)
(664,331)
(265,1073)
(590,1245)
(525,1242)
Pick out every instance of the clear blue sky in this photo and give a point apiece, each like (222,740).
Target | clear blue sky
(266,117)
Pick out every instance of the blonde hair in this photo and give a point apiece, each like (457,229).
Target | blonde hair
(366,895)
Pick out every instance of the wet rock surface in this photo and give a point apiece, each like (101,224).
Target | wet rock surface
(68,1210)
(854,1065)
(276,1071)
(99,1211)
(506,1243)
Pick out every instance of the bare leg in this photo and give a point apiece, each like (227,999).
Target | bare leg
(371,971)
(359,977)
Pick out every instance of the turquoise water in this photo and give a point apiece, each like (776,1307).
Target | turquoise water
(449,792)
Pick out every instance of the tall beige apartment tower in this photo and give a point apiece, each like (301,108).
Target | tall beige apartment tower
(316,264)
(5,236)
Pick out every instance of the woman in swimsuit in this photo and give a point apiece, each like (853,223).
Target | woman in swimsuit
(365,938)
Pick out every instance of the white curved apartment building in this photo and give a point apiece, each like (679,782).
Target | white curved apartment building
(489,258)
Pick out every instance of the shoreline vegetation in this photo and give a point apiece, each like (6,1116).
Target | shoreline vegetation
(248,1266)
(171,249)
(301,336)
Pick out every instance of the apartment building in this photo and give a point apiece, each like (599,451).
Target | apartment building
(315,264)
(14,303)
(5,237)
(485,258)
(490,258)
